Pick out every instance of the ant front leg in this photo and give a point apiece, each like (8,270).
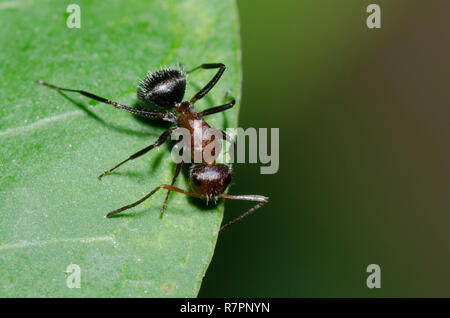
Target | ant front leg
(212,82)
(175,176)
(163,186)
(258,198)
(158,142)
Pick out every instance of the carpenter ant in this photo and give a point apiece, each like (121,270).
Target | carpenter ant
(166,88)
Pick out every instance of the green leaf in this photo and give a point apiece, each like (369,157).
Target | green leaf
(54,145)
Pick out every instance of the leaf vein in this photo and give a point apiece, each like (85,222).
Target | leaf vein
(39,123)
(24,244)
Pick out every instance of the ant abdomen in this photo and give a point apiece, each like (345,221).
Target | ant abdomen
(211,181)
(165,88)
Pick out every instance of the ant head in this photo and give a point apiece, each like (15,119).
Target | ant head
(164,88)
(211,181)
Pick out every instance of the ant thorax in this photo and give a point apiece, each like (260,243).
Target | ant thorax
(199,140)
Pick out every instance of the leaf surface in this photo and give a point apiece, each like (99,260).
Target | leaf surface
(53,146)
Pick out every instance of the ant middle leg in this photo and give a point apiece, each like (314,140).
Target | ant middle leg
(226,137)
(158,142)
(212,82)
(218,109)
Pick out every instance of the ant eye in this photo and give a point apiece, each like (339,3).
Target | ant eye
(164,88)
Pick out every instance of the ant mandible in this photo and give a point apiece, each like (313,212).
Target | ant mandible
(166,88)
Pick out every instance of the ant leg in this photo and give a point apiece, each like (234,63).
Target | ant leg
(163,186)
(226,137)
(175,176)
(158,142)
(258,198)
(218,109)
(212,82)
(149,114)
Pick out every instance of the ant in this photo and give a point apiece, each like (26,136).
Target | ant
(166,89)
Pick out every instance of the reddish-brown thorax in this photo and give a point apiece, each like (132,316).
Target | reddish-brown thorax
(198,128)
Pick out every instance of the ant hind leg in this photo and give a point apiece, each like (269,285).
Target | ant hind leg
(175,176)
(149,114)
(212,82)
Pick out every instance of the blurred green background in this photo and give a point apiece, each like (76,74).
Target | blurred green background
(364,152)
